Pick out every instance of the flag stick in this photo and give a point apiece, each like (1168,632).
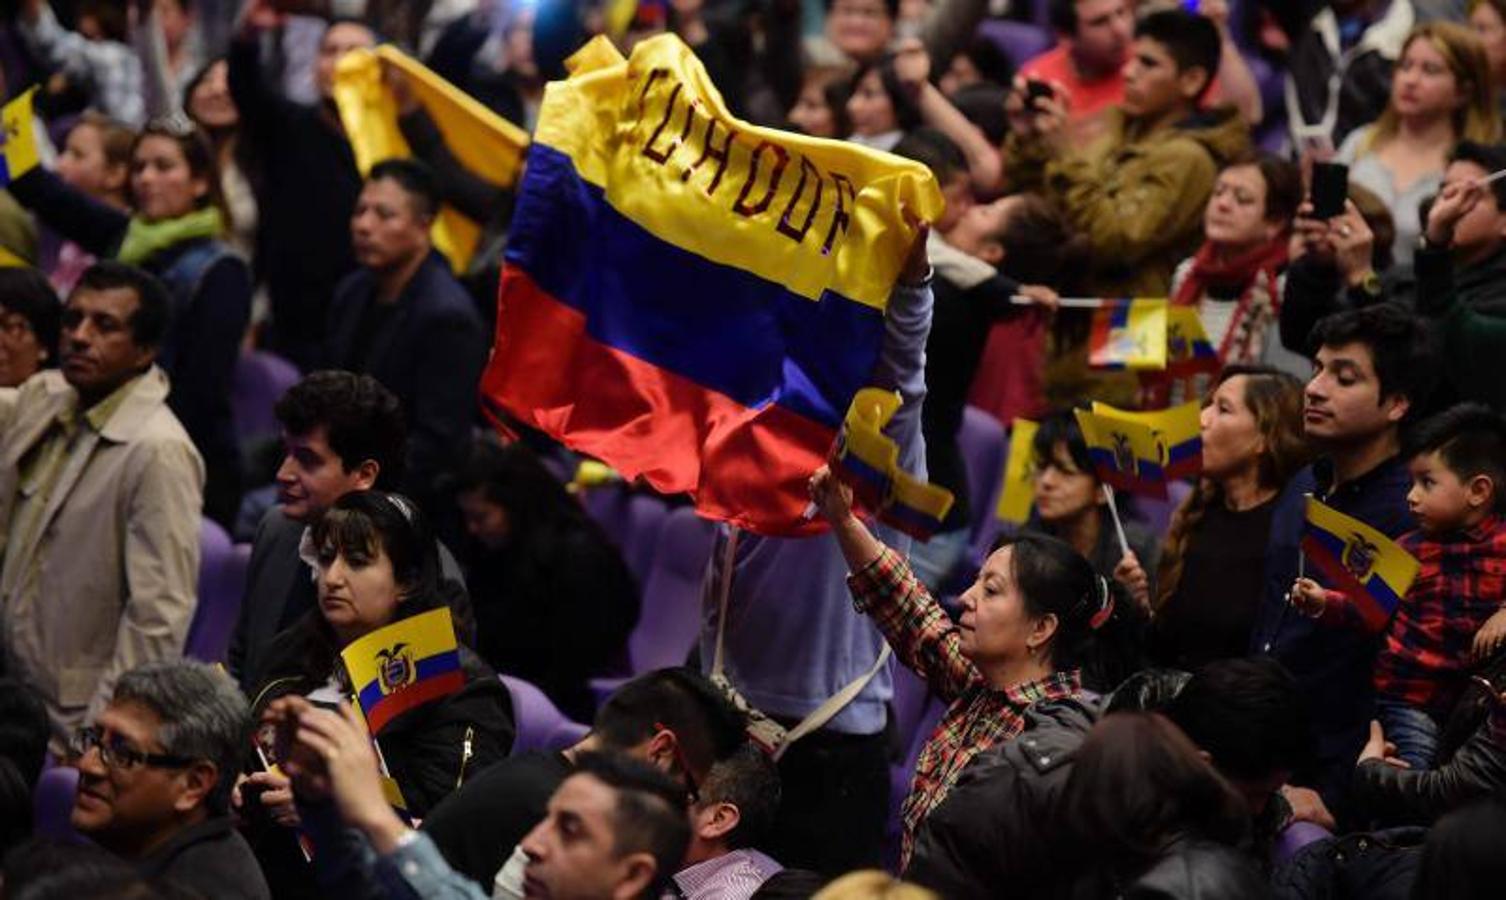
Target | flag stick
(1066,302)
(1302,557)
(1108,494)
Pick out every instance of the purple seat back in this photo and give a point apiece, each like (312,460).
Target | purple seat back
(632,519)
(260,379)
(52,804)
(1156,514)
(671,616)
(540,724)
(982,442)
(222,585)
(1018,41)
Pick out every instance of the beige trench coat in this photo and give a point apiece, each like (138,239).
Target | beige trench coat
(118,547)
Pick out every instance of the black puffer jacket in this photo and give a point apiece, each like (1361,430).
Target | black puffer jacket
(990,830)
(1189,869)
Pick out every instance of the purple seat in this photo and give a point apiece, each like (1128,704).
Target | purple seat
(984,446)
(540,724)
(52,804)
(1019,41)
(222,585)
(260,379)
(1296,836)
(671,616)
(632,519)
(1154,514)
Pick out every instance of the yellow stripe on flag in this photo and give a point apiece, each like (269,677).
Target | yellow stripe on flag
(1018,494)
(18,142)
(1383,557)
(809,214)
(487,145)
(422,636)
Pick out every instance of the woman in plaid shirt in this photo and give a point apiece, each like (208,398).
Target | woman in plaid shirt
(1038,624)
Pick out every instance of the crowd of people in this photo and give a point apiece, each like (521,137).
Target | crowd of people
(1128,705)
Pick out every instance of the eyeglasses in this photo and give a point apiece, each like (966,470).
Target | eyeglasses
(692,790)
(115,753)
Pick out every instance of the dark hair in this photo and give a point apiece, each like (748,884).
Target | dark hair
(27,293)
(1040,244)
(1398,344)
(1491,158)
(1191,40)
(1247,714)
(365,522)
(512,476)
(361,420)
(1283,183)
(1462,859)
(24,728)
(42,869)
(416,180)
(983,105)
(15,806)
(111,17)
(1148,690)
(1060,429)
(707,727)
(198,153)
(115,138)
(1062,14)
(153,303)
(195,81)
(749,780)
(933,149)
(906,112)
(1099,628)
(202,715)
(1471,441)
(993,64)
(1137,785)
(649,815)
(1378,219)
(890,6)
(836,92)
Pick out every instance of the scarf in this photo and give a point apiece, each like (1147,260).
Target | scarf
(144,239)
(1208,272)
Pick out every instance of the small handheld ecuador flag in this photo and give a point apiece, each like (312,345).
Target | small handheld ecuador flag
(1129,334)
(404,665)
(18,143)
(868,460)
(1018,493)
(1188,350)
(1125,453)
(1373,570)
(1178,433)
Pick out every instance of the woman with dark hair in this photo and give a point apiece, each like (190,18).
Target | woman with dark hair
(176,232)
(879,107)
(1070,505)
(1038,624)
(554,600)
(820,110)
(207,100)
(375,563)
(30,316)
(1233,279)
(1145,815)
(1212,571)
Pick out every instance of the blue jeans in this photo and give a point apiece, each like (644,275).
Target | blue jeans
(1413,731)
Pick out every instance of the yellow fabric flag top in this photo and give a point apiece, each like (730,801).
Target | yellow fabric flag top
(1129,335)
(404,665)
(1178,433)
(867,459)
(487,145)
(1125,453)
(1018,494)
(18,143)
(1372,570)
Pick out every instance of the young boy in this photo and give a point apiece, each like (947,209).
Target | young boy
(1452,616)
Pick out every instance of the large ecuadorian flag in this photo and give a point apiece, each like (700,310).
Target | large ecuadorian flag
(404,665)
(690,298)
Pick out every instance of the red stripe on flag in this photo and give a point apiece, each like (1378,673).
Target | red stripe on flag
(1371,613)
(414,695)
(746,466)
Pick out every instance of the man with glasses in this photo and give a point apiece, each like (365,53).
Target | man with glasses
(155,775)
(100,498)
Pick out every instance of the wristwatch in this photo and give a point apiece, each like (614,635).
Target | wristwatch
(1370,285)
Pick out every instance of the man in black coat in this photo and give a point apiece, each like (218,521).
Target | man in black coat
(403,319)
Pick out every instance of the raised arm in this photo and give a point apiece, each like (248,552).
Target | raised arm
(913,66)
(110,65)
(95,226)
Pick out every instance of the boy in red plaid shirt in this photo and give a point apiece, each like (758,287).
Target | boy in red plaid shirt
(1452,617)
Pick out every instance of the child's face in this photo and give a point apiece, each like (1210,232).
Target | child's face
(1440,500)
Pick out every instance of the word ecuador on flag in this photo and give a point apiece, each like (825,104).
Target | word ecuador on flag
(690,298)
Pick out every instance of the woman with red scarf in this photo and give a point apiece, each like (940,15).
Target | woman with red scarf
(1234,278)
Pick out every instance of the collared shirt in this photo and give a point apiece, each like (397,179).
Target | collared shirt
(926,640)
(1461,583)
(731,876)
(43,466)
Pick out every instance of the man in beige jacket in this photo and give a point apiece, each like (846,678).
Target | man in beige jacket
(100,497)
